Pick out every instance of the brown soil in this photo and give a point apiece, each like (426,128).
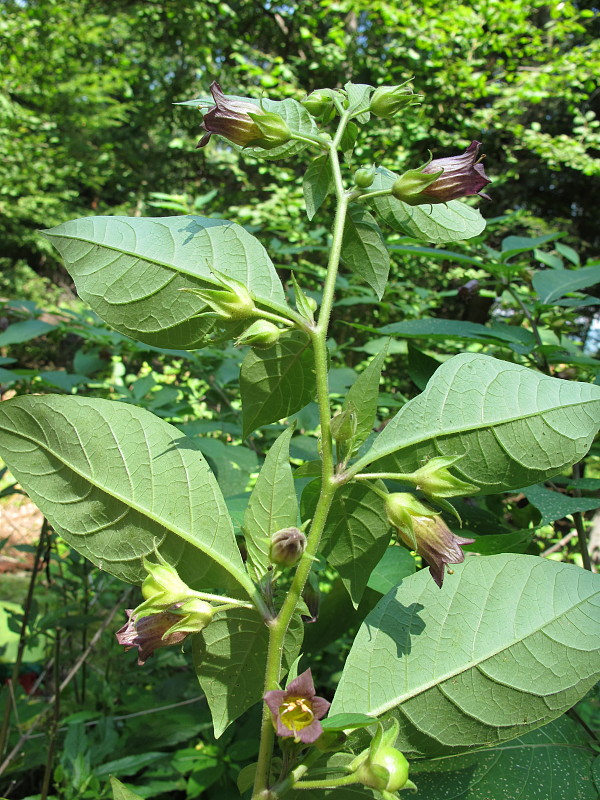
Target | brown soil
(20,523)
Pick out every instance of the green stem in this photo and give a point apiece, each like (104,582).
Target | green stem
(332,783)
(278,626)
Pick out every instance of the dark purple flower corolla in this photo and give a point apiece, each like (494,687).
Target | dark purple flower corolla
(297,710)
(149,633)
(463,175)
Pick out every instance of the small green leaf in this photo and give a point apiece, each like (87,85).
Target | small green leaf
(278,381)
(359,95)
(356,533)
(524,648)
(230,658)
(121,792)
(395,565)
(349,137)
(554,505)
(131,271)
(553,284)
(364,250)
(118,483)
(420,366)
(344,722)
(568,252)
(511,425)
(363,395)
(444,329)
(513,245)
(317,183)
(553,762)
(20,332)
(436,223)
(273,504)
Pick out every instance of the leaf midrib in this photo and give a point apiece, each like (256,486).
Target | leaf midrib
(374,455)
(227,565)
(474,663)
(157,262)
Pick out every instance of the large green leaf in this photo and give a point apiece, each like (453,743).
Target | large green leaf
(445,329)
(551,763)
(121,792)
(364,250)
(511,425)
(20,332)
(273,504)
(117,483)
(356,534)
(555,505)
(509,643)
(554,283)
(363,395)
(230,658)
(277,381)
(436,223)
(131,271)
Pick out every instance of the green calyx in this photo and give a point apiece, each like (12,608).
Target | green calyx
(409,187)
(232,302)
(401,509)
(381,766)
(260,334)
(364,177)
(387,101)
(436,481)
(274,130)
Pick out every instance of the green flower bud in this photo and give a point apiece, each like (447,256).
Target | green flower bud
(381,766)
(363,178)
(233,302)
(318,103)
(387,101)
(274,130)
(435,480)
(343,426)
(287,546)
(260,334)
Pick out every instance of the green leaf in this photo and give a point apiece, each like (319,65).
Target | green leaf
(117,483)
(421,366)
(513,245)
(349,137)
(493,544)
(363,395)
(20,332)
(436,223)
(121,792)
(356,533)
(277,381)
(273,504)
(568,252)
(232,464)
(230,658)
(359,95)
(511,426)
(509,643)
(364,250)
(554,762)
(131,271)
(554,505)
(344,722)
(395,565)
(553,284)
(444,329)
(317,183)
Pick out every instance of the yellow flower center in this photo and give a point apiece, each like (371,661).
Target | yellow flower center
(296,713)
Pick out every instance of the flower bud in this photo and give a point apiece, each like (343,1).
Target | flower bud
(343,426)
(443,179)
(260,334)
(318,103)
(274,130)
(287,546)
(233,302)
(381,766)
(435,479)
(387,101)
(364,177)
(423,529)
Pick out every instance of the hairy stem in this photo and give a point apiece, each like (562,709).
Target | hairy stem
(278,626)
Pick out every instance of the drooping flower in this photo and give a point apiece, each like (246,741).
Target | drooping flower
(444,179)
(242,122)
(423,529)
(297,710)
(149,633)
